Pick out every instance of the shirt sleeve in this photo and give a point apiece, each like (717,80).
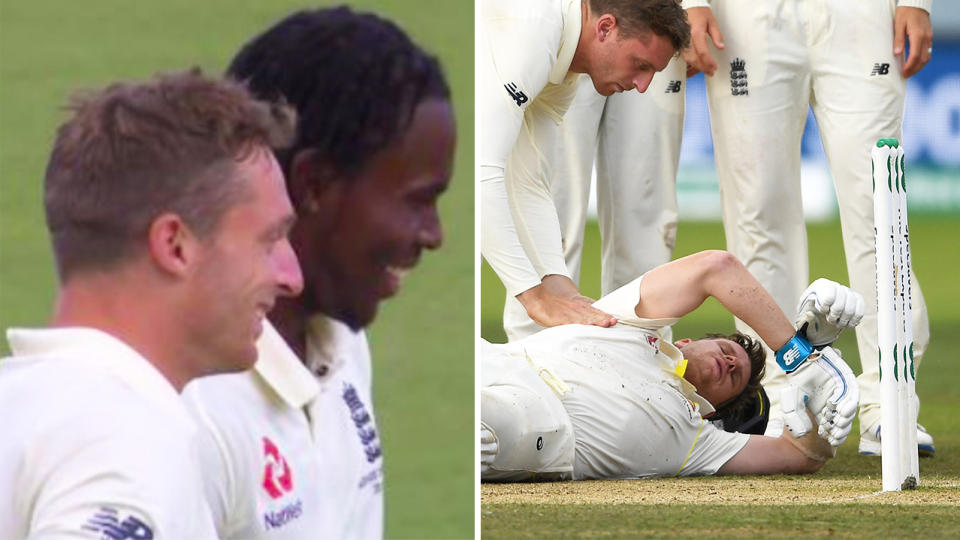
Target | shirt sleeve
(687,4)
(622,304)
(528,178)
(120,481)
(922,4)
(711,448)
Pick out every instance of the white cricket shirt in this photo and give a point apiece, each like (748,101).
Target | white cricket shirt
(96,443)
(523,90)
(292,451)
(633,415)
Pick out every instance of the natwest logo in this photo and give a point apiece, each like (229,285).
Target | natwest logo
(277,478)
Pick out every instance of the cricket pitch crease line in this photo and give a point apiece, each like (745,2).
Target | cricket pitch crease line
(858,497)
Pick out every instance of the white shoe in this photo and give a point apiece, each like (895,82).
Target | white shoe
(870,442)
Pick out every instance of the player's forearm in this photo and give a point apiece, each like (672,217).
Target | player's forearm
(680,286)
(532,206)
(499,243)
(550,301)
(729,281)
(770,455)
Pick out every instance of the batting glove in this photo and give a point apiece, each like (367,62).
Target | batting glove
(794,406)
(827,308)
(830,391)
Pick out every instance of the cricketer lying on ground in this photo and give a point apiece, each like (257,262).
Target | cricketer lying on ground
(580,402)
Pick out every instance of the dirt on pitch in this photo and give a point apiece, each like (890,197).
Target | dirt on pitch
(723,490)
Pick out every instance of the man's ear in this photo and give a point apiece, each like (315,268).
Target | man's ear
(680,343)
(313,185)
(605,26)
(171,244)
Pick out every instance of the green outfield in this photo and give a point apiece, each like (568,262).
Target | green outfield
(840,500)
(422,340)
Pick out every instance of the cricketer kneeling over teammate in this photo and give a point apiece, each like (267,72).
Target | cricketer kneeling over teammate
(585,402)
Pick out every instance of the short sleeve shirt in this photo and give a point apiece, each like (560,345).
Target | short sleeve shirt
(632,414)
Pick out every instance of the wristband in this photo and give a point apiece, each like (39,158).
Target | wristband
(794,353)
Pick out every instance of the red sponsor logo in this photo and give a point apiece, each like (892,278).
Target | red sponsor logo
(277,478)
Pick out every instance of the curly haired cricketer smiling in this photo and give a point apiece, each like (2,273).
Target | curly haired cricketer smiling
(373,153)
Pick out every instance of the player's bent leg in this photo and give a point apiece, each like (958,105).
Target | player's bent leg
(843,85)
(530,433)
(869,380)
(758,106)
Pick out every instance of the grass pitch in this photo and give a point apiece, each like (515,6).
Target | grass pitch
(422,340)
(842,500)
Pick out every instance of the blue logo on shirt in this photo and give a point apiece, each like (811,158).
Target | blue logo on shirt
(276,519)
(364,423)
(108,524)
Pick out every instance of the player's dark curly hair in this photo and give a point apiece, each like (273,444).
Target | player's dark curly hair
(758,359)
(355,80)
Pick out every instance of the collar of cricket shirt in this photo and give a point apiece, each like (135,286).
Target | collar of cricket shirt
(675,365)
(283,370)
(568,41)
(331,344)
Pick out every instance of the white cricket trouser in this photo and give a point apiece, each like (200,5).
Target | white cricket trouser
(635,139)
(782,56)
(533,431)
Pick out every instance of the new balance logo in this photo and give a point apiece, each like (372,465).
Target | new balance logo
(791,356)
(738,77)
(880,69)
(108,524)
(516,94)
(673,87)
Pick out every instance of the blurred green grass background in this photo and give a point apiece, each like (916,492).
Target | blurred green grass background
(422,340)
(935,259)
